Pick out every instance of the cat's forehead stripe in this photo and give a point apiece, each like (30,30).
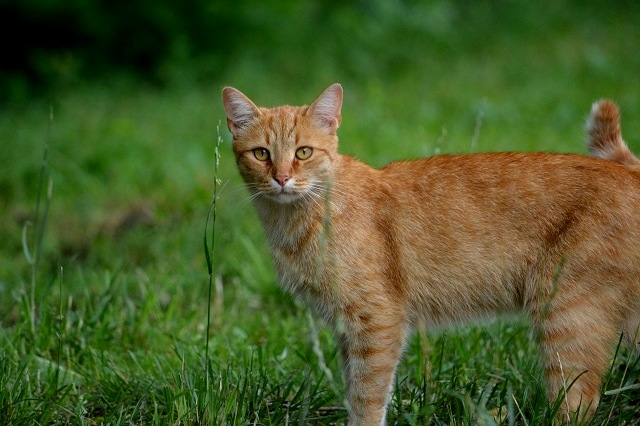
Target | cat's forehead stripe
(282,126)
(292,128)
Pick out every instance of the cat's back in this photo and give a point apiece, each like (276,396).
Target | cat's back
(536,176)
(492,165)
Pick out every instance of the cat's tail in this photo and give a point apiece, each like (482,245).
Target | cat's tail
(605,137)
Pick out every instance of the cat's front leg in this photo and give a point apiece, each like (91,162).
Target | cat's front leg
(371,346)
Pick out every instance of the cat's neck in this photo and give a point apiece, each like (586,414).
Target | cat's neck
(291,225)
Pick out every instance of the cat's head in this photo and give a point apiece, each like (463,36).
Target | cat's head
(285,153)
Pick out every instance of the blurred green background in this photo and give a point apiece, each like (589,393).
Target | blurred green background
(134,88)
(55,43)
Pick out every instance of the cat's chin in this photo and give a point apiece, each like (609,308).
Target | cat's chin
(285,197)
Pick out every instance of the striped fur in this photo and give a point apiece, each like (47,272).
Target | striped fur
(447,239)
(605,136)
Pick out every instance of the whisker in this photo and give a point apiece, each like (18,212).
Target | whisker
(331,185)
(318,196)
(242,203)
(313,197)
(235,189)
(328,190)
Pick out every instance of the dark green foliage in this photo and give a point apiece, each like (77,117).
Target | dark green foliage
(55,42)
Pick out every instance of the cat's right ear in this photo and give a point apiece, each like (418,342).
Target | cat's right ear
(325,110)
(241,112)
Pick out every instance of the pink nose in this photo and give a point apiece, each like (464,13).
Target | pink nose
(282,179)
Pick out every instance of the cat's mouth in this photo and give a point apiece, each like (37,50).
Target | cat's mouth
(279,194)
(285,195)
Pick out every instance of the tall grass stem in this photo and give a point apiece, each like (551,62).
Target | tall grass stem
(39,224)
(210,252)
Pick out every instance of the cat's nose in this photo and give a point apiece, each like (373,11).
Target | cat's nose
(282,179)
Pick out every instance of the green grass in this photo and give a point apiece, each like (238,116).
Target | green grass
(118,334)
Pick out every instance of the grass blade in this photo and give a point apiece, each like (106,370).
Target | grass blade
(622,389)
(209,254)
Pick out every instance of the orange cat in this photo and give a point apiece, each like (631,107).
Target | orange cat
(446,239)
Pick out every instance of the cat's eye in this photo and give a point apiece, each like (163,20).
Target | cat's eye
(261,154)
(304,153)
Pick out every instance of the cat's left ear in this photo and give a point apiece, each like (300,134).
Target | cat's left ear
(325,110)
(241,112)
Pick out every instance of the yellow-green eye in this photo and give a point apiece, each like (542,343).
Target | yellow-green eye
(304,153)
(261,154)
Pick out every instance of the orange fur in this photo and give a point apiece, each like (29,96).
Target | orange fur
(605,137)
(447,239)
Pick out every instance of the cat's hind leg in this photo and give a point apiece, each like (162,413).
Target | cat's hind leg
(580,327)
